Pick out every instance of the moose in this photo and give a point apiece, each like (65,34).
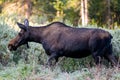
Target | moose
(59,39)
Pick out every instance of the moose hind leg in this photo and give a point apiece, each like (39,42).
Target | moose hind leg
(51,59)
(110,56)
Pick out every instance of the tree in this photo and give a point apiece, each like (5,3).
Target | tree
(59,5)
(71,12)
(44,8)
(84,12)
(108,17)
(28,8)
(97,12)
(115,12)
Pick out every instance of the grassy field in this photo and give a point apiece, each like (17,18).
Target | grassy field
(28,64)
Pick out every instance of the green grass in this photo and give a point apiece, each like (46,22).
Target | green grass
(28,64)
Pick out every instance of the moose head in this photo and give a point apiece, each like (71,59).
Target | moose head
(21,38)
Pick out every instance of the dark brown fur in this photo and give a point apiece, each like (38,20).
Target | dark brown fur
(60,40)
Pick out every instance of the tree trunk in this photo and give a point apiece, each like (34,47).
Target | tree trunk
(84,12)
(28,8)
(108,17)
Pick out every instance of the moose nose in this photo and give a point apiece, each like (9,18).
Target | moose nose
(10,47)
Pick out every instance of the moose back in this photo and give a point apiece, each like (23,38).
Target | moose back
(60,40)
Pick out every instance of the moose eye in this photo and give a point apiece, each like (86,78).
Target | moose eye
(20,34)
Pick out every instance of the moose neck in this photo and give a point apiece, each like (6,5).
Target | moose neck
(35,34)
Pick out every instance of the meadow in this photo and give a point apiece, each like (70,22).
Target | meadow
(28,64)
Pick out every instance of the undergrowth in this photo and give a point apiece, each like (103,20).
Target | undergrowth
(28,63)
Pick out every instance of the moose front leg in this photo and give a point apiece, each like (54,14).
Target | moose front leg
(97,58)
(51,59)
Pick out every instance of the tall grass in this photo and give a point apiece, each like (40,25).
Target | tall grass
(28,64)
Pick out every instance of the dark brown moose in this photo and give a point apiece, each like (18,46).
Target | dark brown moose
(60,40)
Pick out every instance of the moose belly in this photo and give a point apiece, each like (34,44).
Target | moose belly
(78,54)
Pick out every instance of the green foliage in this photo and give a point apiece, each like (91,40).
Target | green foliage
(115,8)
(44,8)
(116,41)
(58,5)
(97,11)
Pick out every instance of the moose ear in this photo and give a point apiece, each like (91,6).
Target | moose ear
(26,23)
(21,26)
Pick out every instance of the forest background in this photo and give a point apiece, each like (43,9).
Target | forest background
(28,64)
(77,12)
